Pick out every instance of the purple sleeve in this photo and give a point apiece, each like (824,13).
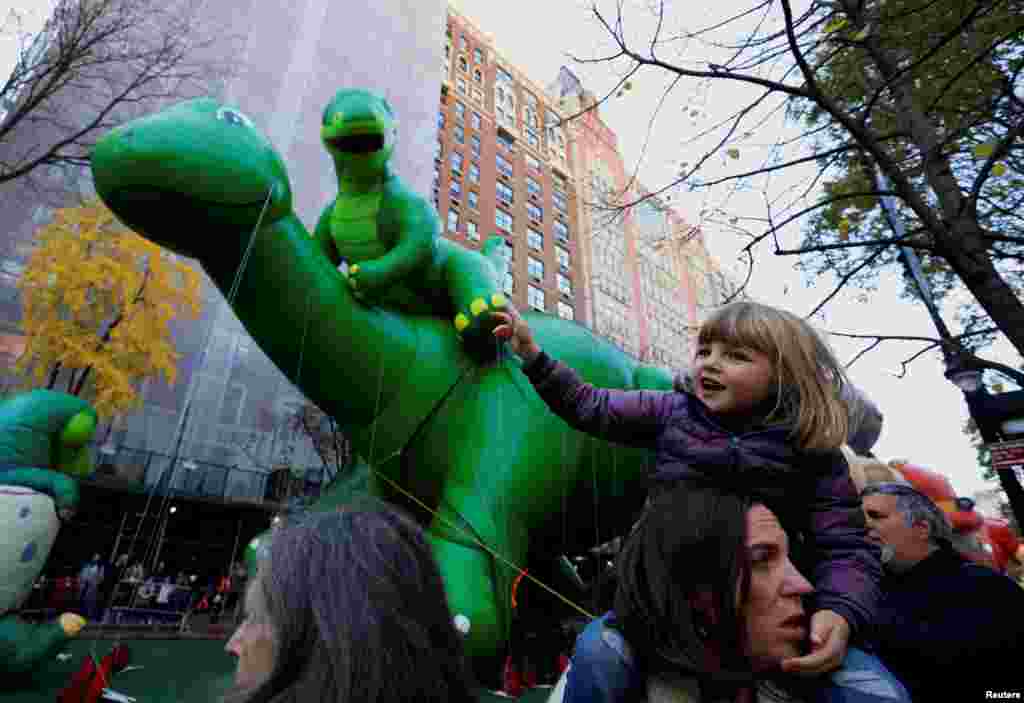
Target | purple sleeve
(634,418)
(849,568)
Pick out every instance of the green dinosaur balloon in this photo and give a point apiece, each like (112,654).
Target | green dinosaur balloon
(471,441)
(44,439)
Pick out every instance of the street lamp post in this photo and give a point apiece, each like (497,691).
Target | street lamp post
(999,418)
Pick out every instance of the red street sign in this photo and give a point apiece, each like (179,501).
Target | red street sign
(1007,455)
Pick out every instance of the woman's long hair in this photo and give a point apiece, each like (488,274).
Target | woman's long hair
(689,545)
(359,613)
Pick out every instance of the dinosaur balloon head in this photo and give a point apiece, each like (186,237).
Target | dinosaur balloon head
(48,429)
(198,161)
(359,130)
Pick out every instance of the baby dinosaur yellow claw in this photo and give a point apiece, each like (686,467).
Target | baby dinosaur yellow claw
(353,269)
(461,322)
(478,306)
(498,300)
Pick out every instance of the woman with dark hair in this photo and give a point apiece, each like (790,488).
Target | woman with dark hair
(708,607)
(349,606)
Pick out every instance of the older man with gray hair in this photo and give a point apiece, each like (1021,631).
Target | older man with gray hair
(944,623)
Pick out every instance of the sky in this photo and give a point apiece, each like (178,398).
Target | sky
(924,413)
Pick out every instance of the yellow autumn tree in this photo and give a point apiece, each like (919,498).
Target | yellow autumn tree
(97,302)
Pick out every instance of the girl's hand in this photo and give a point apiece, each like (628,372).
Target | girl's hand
(514,329)
(830,636)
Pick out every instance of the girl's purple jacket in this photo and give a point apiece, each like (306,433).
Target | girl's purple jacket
(810,491)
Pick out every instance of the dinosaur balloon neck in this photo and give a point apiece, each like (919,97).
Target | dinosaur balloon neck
(364,175)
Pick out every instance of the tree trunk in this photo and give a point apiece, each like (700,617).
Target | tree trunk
(972,264)
(958,238)
(52,381)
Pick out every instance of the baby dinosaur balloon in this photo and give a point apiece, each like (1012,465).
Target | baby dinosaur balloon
(43,447)
(506,484)
(389,235)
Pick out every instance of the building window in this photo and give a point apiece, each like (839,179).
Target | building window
(460,112)
(504,192)
(535,267)
(478,56)
(535,297)
(438,150)
(564,284)
(504,166)
(504,142)
(463,64)
(532,163)
(531,138)
(558,183)
(558,200)
(440,119)
(455,190)
(460,84)
(478,96)
(531,110)
(472,199)
(453,218)
(534,239)
(471,231)
(561,231)
(534,212)
(509,283)
(503,75)
(563,257)
(474,121)
(509,251)
(503,220)
(474,145)
(533,187)
(565,311)
(462,42)
(459,133)
(478,77)
(233,404)
(474,173)
(456,161)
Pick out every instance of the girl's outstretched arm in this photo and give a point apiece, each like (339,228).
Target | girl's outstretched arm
(632,417)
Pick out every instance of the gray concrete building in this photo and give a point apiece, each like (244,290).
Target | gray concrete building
(288,59)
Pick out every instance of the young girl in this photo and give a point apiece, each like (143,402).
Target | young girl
(761,413)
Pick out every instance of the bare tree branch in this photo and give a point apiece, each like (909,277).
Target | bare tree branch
(844,280)
(94,62)
(881,243)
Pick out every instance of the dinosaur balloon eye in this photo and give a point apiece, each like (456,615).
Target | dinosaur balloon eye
(232,116)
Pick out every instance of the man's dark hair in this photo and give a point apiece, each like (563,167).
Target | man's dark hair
(359,613)
(691,542)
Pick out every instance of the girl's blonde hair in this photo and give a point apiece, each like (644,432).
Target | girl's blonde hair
(809,378)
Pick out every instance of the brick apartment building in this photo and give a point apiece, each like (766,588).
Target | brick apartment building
(502,167)
(505,165)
